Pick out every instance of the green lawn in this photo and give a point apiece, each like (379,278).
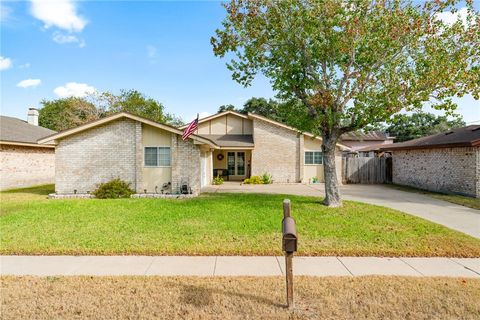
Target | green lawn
(453,198)
(223,224)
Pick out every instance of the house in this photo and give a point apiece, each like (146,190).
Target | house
(370,152)
(24,162)
(153,158)
(365,142)
(447,162)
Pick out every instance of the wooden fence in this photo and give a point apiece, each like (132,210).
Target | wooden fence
(367,170)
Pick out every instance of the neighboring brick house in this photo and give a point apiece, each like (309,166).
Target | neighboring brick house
(24,162)
(366,144)
(446,162)
(153,158)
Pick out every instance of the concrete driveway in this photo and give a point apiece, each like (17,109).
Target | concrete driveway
(454,216)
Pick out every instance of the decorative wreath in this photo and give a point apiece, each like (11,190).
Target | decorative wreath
(220,157)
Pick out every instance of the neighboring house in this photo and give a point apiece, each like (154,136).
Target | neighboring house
(365,142)
(370,152)
(24,162)
(153,157)
(447,162)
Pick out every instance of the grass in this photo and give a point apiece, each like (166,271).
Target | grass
(215,224)
(465,201)
(370,297)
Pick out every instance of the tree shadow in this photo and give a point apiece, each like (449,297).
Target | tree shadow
(201,297)
(43,190)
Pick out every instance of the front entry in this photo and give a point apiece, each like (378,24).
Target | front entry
(232,165)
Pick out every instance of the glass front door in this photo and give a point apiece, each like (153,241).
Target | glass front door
(236,163)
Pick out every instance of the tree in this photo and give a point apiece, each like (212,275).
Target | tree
(137,103)
(66,113)
(406,127)
(352,63)
(227,107)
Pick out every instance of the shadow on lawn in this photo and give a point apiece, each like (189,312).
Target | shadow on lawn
(199,296)
(43,190)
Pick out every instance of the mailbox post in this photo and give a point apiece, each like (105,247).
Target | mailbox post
(289,246)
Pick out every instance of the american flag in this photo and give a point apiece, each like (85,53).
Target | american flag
(190,129)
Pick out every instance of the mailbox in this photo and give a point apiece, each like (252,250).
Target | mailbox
(289,239)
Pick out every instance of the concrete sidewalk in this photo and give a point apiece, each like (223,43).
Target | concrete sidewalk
(235,266)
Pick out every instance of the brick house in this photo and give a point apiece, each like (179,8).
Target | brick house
(154,158)
(447,162)
(24,162)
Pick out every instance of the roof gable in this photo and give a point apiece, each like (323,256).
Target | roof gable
(218,115)
(121,115)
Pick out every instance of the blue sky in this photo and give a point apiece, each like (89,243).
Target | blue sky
(161,48)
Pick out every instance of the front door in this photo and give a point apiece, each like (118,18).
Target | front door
(236,164)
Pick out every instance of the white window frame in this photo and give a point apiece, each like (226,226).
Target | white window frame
(158,155)
(313,158)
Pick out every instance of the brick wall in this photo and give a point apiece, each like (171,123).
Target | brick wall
(277,151)
(98,155)
(185,164)
(26,166)
(450,170)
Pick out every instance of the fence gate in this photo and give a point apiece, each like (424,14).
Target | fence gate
(367,170)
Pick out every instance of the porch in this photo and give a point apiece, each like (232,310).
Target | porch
(232,164)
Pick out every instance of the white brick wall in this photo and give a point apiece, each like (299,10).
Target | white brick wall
(450,170)
(26,166)
(97,155)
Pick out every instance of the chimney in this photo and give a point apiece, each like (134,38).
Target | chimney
(32,116)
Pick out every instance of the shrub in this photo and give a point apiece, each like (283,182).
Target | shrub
(253,180)
(267,178)
(113,189)
(217,180)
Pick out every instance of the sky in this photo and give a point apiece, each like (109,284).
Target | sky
(54,49)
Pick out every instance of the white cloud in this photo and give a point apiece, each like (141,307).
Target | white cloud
(58,13)
(5,63)
(450,18)
(61,38)
(24,66)
(74,89)
(29,83)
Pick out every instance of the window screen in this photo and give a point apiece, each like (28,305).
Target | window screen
(157,156)
(313,157)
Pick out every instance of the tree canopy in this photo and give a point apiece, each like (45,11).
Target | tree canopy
(65,113)
(352,63)
(407,127)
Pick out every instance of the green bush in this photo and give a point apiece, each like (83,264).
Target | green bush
(253,180)
(217,180)
(113,189)
(266,178)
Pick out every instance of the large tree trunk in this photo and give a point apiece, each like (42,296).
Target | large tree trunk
(332,192)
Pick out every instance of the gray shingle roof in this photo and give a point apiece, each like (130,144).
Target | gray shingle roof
(460,137)
(361,136)
(230,140)
(16,130)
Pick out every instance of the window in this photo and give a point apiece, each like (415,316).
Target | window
(157,157)
(313,157)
